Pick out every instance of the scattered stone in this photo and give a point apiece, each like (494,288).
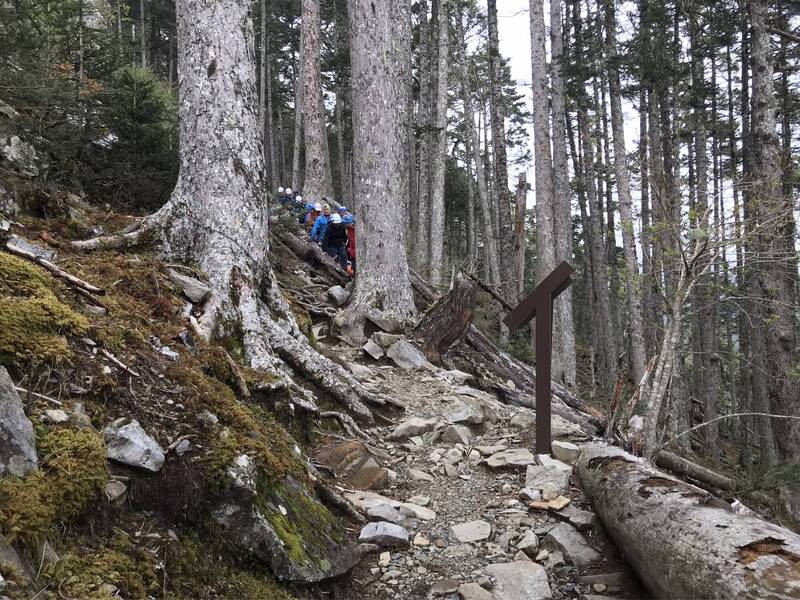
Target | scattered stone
(339,295)
(554,559)
(418,475)
(530,494)
(383,322)
(566,539)
(22,155)
(472,411)
(186,338)
(386,340)
(525,420)
(420,500)
(489,450)
(384,512)
(565,451)
(168,352)
(516,457)
(17,440)
(520,580)
(548,462)
(182,447)
(472,591)
(457,434)
(385,559)
(412,427)
(365,549)
(207,418)
(529,543)
(551,482)
(615,579)
(373,350)
(444,587)
(115,490)
(599,587)
(56,416)
(129,444)
(455,376)
(471,531)
(244,475)
(352,462)
(384,534)
(521,556)
(363,500)
(580,519)
(413,511)
(421,540)
(194,289)
(406,356)
(361,372)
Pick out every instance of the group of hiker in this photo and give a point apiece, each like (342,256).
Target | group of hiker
(333,230)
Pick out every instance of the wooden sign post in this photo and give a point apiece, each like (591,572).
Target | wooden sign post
(539,304)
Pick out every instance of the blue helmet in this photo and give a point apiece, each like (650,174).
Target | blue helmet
(309,207)
(348,219)
(342,209)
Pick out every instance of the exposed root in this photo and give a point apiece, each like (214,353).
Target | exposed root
(347,423)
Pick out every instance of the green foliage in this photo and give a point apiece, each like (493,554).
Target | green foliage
(72,472)
(33,320)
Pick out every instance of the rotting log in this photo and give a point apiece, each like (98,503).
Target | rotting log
(309,251)
(447,322)
(681,543)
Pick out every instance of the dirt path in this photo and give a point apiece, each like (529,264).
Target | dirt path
(457,487)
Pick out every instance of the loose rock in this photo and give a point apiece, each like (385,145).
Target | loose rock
(565,451)
(471,531)
(128,443)
(517,457)
(17,440)
(194,289)
(384,534)
(520,580)
(406,356)
(472,591)
(412,427)
(566,539)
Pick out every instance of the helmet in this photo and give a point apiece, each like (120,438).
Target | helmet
(309,207)
(342,209)
(298,198)
(288,190)
(327,207)
(318,207)
(347,219)
(280,190)
(336,219)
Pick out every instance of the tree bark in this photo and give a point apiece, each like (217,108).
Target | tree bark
(380,55)
(519,235)
(438,146)
(317,182)
(299,98)
(423,187)
(681,542)
(447,322)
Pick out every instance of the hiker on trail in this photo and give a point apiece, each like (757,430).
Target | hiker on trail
(311,216)
(349,221)
(298,209)
(321,224)
(281,194)
(335,239)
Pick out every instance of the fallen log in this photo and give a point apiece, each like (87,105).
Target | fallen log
(447,322)
(309,251)
(55,270)
(682,542)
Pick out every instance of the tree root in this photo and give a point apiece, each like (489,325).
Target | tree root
(347,423)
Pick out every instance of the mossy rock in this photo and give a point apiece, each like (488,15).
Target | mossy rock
(72,472)
(290,531)
(33,321)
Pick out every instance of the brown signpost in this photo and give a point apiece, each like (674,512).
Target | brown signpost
(539,304)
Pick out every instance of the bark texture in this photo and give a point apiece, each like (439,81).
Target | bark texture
(681,543)
(447,322)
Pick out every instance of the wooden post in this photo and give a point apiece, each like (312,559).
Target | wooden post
(539,304)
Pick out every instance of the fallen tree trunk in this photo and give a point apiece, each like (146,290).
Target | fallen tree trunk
(447,322)
(309,251)
(680,541)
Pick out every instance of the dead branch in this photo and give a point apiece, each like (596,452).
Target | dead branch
(241,384)
(118,362)
(486,288)
(55,270)
(39,396)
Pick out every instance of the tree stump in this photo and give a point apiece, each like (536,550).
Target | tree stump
(447,322)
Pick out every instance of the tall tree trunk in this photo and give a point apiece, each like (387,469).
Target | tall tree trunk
(633,285)
(774,241)
(439,145)
(380,54)
(345,187)
(563,326)
(423,189)
(317,182)
(519,235)
(142,37)
(299,99)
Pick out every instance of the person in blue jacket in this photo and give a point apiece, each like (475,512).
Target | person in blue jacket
(321,224)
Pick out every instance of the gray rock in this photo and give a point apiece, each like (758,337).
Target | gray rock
(580,519)
(444,587)
(529,543)
(457,434)
(168,352)
(530,494)
(411,427)
(566,539)
(406,356)
(386,340)
(550,482)
(519,580)
(383,322)
(115,491)
(194,289)
(472,411)
(182,447)
(384,512)
(373,349)
(22,244)
(21,155)
(17,561)
(548,462)
(471,531)
(420,500)
(472,591)
(207,419)
(525,420)
(17,440)
(515,457)
(384,534)
(414,511)
(56,416)
(339,295)
(455,376)
(565,451)
(615,579)
(418,475)
(129,444)
(489,450)
(361,372)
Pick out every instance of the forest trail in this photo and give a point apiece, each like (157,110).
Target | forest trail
(463,489)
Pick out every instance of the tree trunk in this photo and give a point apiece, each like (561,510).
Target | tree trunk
(682,542)
(423,188)
(563,327)
(142,37)
(633,285)
(438,146)
(317,182)
(299,98)
(217,215)
(447,322)
(380,55)
(519,235)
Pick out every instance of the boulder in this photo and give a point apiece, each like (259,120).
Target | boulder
(472,591)
(352,462)
(22,156)
(339,295)
(406,356)
(411,427)
(373,349)
(289,531)
(22,244)
(471,531)
(550,482)
(457,434)
(129,444)
(566,539)
(194,289)
(519,580)
(513,458)
(384,534)
(472,411)
(17,440)
(580,519)
(565,451)
(383,322)
(361,372)
(384,512)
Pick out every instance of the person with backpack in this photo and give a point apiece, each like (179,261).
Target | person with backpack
(314,211)
(349,221)
(321,224)
(335,240)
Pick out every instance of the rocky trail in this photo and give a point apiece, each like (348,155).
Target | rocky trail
(447,489)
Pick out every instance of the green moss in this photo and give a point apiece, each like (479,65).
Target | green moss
(33,320)
(247,586)
(119,569)
(72,471)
